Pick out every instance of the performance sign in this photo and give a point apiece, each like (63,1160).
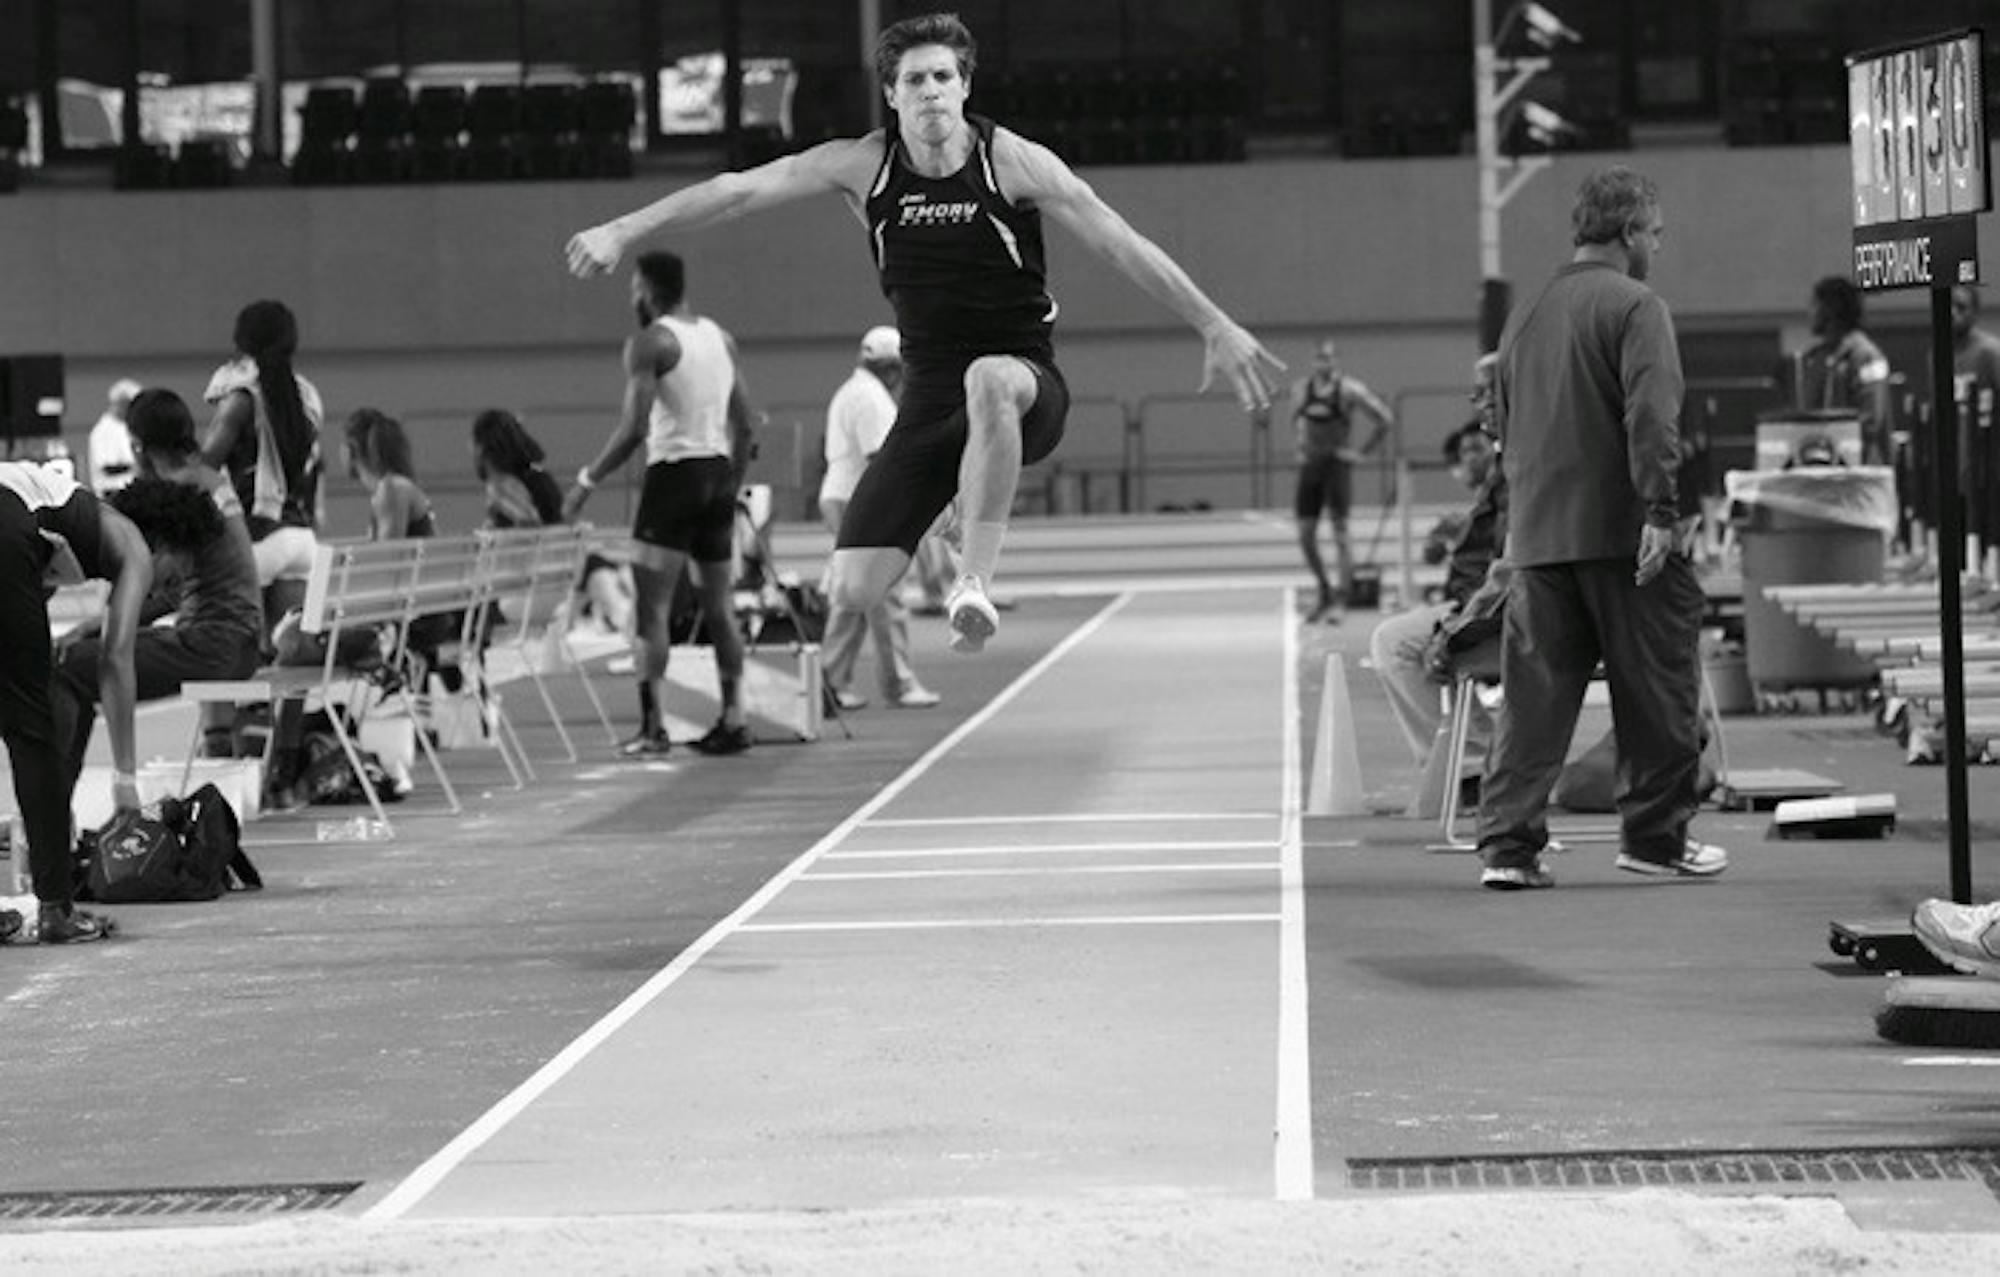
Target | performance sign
(1918,142)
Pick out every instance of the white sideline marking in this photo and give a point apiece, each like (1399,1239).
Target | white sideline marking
(1052,849)
(1293,1144)
(1952,1061)
(1070,819)
(427,1176)
(942,924)
(1037,871)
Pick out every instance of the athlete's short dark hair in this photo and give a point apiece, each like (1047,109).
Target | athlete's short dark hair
(1842,301)
(925,29)
(160,422)
(1610,203)
(665,275)
(170,515)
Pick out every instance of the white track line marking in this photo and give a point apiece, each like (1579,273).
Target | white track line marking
(1052,849)
(431,1173)
(1951,1061)
(1293,1150)
(1155,817)
(944,924)
(1035,871)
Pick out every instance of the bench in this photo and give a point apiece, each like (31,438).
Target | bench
(531,574)
(354,587)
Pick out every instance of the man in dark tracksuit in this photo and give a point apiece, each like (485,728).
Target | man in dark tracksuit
(1589,399)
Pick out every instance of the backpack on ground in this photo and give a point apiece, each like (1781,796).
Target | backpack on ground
(180,849)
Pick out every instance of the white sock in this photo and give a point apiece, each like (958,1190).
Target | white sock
(982,550)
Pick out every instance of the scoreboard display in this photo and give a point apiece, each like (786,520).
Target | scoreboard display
(1918,143)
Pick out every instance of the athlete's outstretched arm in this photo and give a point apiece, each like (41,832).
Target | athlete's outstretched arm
(1031,172)
(844,164)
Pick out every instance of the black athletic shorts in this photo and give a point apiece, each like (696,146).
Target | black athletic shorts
(915,474)
(688,506)
(1323,485)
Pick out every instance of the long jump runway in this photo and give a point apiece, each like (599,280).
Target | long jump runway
(1060,956)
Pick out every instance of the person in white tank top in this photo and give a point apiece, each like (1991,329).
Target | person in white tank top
(690,413)
(684,402)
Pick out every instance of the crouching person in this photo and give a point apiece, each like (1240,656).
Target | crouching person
(54,532)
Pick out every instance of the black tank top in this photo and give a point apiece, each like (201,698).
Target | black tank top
(961,266)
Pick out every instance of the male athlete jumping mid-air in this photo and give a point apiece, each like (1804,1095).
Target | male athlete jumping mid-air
(953,207)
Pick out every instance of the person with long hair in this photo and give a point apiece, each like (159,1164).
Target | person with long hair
(378,455)
(519,492)
(265,436)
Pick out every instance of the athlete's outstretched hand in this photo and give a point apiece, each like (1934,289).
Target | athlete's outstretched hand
(595,251)
(1236,355)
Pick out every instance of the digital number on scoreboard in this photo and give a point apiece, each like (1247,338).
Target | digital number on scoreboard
(1918,141)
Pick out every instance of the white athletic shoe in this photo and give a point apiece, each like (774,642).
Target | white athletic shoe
(971,615)
(1967,937)
(1697,860)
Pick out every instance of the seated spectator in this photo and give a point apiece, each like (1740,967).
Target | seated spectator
(205,576)
(1402,645)
(519,492)
(378,456)
(265,435)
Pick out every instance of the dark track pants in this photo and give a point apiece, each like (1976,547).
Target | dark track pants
(1561,620)
(27,722)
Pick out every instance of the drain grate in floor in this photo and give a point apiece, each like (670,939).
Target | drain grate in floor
(1682,1170)
(136,1203)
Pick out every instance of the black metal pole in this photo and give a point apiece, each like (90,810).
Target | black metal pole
(48,71)
(732,82)
(129,119)
(1951,546)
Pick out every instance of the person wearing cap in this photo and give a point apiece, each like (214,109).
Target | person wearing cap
(110,459)
(857,421)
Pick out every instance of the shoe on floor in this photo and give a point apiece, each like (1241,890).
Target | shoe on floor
(915,696)
(653,744)
(1965,937)
(724,739)
(1697,860)
(1517,877)
(59,924)
(847,700)
(971,615)
(11,923)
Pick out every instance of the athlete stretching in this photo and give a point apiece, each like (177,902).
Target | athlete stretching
(684,400)
(953,207)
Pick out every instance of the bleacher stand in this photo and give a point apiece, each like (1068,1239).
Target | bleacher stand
(326,136)
(437,133)
(382,131)
(492,122)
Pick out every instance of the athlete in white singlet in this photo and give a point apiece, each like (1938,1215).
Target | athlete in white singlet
(684,401)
